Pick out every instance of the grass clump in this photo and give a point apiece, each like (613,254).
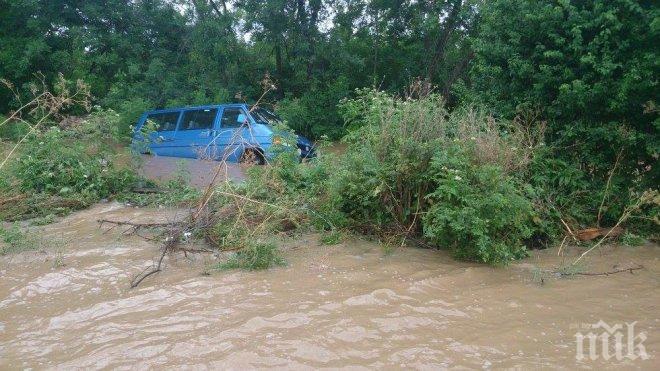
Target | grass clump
(16,241)
(632,240)
(331,238)
(256,256)
(172,193)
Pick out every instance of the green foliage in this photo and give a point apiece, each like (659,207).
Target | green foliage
(631,239)
(16,241)
(44,220)
(410,168)
(256,256)
(331,238)
(315,114)
(64,169)
(479,212)
(172,193)
(590,68)
(13,131)
(459,179)
(55,163)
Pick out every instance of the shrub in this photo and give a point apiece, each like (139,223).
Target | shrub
(64,168)
(13,130)
(255,257)
(458,179)
(57,162)
(16,241)
(477,211)
(315,113)
(631,239)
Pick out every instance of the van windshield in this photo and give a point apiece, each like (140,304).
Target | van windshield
(265,116)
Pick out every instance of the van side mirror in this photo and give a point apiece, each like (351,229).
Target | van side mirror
(241,119)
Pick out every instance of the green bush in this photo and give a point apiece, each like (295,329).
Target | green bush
(16,241)
(457,179)
(315,114)
(63,169)
(55,162)
(255,257)
(479,212)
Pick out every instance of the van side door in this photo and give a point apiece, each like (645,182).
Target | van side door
(233,134)
(161,140)
(195,135)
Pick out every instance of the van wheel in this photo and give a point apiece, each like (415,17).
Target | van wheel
(252,156)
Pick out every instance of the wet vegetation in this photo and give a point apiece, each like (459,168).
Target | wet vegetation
(484,128)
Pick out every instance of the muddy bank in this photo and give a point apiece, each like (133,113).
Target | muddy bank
(348,305)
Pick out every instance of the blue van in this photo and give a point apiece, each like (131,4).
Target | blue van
(232,132)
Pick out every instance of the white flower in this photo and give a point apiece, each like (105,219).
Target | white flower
(187,234)
(458,177)
(473,138)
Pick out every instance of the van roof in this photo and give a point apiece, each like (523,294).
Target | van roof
(189,108)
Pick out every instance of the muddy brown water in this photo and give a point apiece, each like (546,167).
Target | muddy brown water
(199,173)
(343,306)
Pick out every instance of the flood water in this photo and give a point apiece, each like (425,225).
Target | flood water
(345,306)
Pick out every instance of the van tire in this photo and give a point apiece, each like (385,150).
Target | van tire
(253,156)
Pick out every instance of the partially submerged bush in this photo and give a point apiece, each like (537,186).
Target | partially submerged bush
(15,241)
(413,168)
(256,256)
(478,211)
(65,167)
(56,162)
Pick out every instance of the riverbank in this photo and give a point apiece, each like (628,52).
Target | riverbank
(347,305)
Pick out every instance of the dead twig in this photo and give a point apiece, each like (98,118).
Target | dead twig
(142,276)
(568,229)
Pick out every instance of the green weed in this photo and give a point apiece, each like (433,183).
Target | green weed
(16,241)
(331,238)
(632,240)
(256,256)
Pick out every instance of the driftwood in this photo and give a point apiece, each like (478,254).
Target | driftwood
(591,233)
(155,269)
(621,270)
(137,225)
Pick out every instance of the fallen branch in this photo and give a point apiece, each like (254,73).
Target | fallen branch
(643,199)
(631,269)
(138,225)
(141,277)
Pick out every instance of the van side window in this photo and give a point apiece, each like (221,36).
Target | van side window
(164,121)
(233,117)
(198,119)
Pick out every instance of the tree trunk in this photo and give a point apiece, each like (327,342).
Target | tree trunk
(451,22)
